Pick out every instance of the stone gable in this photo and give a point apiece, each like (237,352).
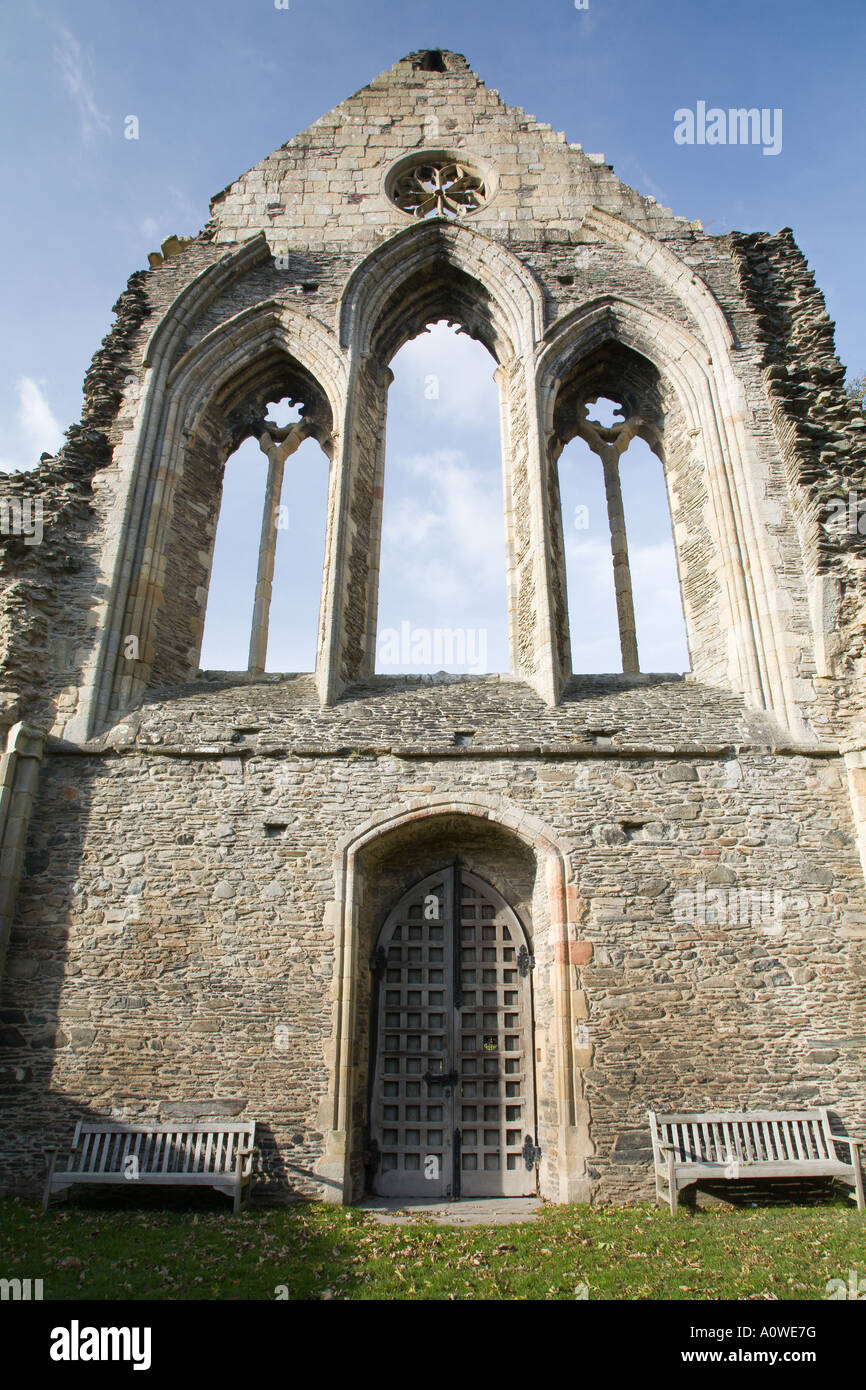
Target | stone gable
(200,869)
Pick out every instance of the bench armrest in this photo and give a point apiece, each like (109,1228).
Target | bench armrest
(244,1160)
(844,1139)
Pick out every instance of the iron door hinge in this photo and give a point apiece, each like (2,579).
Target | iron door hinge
(531,1153)
(525,962)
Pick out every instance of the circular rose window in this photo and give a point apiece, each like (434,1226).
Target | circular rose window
(438,188)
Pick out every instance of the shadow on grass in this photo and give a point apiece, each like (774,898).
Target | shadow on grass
(765,1193)
(176,1245)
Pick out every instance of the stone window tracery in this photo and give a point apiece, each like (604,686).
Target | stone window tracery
(439,188)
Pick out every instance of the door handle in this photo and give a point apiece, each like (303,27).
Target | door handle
(442,1078)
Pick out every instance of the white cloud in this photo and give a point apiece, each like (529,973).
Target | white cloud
(658,608)
(592,607)
(37,429)
(467,397)
(74,68)
(409,525)
(451,544)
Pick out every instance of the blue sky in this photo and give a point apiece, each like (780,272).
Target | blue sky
(216,87)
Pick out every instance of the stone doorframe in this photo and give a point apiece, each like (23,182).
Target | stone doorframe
(569,1182)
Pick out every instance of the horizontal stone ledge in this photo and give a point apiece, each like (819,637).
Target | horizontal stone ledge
(409,751)
(200,1110)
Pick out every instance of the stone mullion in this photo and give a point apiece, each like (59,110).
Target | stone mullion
(267,558)
(621,569)
(323,630)
(376,529)
(277,451)
(548,667)
(345,655)
(328,662)
(558,577)
(501,378)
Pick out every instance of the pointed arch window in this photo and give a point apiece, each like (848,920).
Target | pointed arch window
(268,549)
(626,501)
(442,593)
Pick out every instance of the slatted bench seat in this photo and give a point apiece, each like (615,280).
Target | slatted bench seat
(749,1144)
(215,1154)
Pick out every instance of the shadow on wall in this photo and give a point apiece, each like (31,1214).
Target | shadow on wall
(97,1024)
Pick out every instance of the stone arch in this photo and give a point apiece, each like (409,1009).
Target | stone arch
(196,407)
(690,423)
(430,270)
(553,911)
(435,250)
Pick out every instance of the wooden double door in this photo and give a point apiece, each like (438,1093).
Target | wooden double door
(453,1101)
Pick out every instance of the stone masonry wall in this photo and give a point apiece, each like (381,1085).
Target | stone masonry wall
(174,948)
(823,442)
(173,916)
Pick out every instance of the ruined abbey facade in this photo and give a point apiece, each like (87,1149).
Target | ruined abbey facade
(451,935)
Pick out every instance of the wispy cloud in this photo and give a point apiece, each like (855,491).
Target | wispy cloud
(460,374)
(37,428)
(592,606)
(75,72)
(452,528)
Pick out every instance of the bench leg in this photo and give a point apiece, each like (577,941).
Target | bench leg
(46,1195)
(673,1194)
(858,1177)
(239,1182)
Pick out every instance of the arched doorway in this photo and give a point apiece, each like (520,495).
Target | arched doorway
(452,1108)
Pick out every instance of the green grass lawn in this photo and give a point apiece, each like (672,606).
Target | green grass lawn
(85,1251)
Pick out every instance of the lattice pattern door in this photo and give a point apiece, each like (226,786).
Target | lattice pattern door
(453,1099)
(496,1102)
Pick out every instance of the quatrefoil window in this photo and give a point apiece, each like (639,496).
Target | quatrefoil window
(439,188)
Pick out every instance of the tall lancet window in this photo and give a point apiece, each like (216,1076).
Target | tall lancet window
(442,593)
(263,600)
(625,610)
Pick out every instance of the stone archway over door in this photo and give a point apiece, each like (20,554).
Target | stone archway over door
(453,1093)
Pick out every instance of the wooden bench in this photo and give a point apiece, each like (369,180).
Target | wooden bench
(753,1144)
(215,1154)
